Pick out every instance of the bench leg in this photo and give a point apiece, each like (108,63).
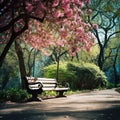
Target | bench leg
(60,94)
(35,97)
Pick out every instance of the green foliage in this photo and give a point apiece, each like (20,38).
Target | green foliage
(78,75)
(49,93)
(88,75)
(14,95)
(90,56)
(10,67)
(113,45)
(110,85)
(118,89)
(14,82)
(118,85)
(64,74)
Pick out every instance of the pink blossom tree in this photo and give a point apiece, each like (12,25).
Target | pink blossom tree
(67,31)
(61,23)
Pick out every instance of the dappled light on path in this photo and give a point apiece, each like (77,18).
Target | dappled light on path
(95,105)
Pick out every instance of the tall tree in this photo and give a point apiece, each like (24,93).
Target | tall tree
(106,15)
(21,63)
(114,65)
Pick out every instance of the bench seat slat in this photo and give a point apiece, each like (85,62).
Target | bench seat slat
(55,89)
(49,79)
(31,81)
(49,85)
(46,89)
(59,89)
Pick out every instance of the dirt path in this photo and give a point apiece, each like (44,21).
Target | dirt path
(97,105)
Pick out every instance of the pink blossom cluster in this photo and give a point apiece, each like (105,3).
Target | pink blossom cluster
(38,37)
(63,26)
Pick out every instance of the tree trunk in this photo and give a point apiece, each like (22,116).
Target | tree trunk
(114,67)
(57,71)
(7,47)
(5,51)
(21,63)
(100,61)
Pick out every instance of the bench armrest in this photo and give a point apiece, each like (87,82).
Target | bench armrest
(36,85)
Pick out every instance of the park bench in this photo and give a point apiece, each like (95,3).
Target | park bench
(38,85)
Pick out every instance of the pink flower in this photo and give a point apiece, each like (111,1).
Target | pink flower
(69,13)
(89,11)
(81,4)
(55,3)
(88,2)
(95,26)
(29,7)
(66,7)
(42,6)
(59,14)
(76,1)
(65,34)
(80,30)
(87,48)
(35,0)
(59,43)
(65,1)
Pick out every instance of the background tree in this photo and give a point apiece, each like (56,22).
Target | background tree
(86,56)
(106,15)
(114,65)
(9,69)
(111,66)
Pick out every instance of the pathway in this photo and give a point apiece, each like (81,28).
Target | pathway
(95,105)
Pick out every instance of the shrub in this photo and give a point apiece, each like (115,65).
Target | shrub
(88,76)
(17,95)
(110,85)
(14,95)
(78,75)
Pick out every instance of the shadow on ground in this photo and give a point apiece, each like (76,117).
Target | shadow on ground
(105,114)
(77,107)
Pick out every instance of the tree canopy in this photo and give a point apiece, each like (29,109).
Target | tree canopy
(64,16)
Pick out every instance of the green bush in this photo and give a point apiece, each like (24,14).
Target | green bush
(118,85)
(88,76)
(78,75)
(17,95)
(14,95)
(110,85)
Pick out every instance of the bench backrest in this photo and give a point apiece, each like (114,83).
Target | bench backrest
(48,83)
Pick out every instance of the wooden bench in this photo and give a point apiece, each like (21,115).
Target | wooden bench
(38,85)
